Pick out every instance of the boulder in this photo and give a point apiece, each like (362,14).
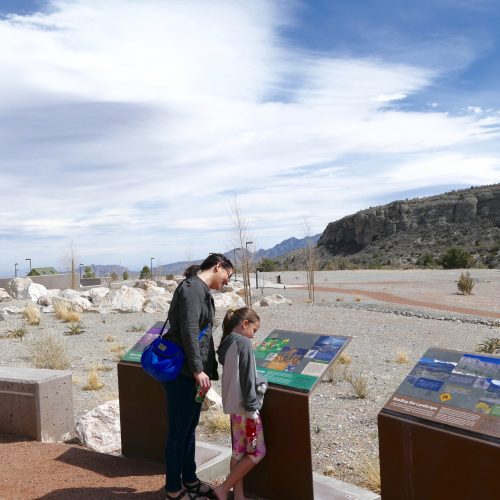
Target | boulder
(74,300)
(144,284)
(274,300)
(125,299)
(168,285)
(35,291)
(228,299)
(97,294)
(99,429)
(46,300)
(157,302)
(10,311)
(18,288)
(4,296)
(212,399)
(155,290)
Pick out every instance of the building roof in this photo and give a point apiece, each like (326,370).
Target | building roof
(42,271)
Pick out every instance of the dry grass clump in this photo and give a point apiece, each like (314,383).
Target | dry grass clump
(465,283)
(344,359)
(17,333)
(65,313)
(137,328)
(110,338)
(489,346)
(359,383)
(336,373)
(49,351)
(369,472)
(119,351)
(94,382)
(329,471)
(104,368)
(215,421)
(32,314)
(357,299)
(401,358)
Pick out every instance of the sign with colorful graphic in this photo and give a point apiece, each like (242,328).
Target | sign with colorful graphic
(134,354)
(297,360)
(454,388)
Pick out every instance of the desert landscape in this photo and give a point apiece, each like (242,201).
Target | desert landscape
(392,317)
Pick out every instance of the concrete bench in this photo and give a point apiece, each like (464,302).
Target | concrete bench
(36,403)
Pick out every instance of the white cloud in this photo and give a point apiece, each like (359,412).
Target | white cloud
(126,127)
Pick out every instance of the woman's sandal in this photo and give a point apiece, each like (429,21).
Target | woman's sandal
(196,490)
(178,497)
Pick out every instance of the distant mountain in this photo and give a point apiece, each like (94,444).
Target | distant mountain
(282,248)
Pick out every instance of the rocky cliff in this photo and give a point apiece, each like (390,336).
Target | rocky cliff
(404,230)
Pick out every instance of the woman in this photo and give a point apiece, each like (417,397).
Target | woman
(190,317)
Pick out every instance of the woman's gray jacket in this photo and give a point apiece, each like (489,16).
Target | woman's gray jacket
(191,310)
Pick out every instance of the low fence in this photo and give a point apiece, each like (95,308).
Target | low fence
(61,281)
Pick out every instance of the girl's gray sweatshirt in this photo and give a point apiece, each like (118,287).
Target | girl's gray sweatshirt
(242,387)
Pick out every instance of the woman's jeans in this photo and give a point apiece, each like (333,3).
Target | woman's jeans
(183,416)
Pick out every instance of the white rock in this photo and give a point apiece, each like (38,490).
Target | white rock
(4,296)
(274,300)
(169,285)
(77,304)
(155,290)
(211,399)
(18,288)
(97,294)
(158,303)
(228,299)
(99,429)
(144,284)
(35,291)
(11,310)
(46,300)
(125,299)
(48,309)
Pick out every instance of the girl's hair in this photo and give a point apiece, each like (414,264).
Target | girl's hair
(234,317)
(210,261)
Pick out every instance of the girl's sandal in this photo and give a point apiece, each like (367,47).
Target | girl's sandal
(195,490)
(177,497)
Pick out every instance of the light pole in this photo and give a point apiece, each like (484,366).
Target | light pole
(234,258)
(81,265)
(151,259)
(15,269)
(30,263)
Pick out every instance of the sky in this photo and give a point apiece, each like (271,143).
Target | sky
(128,128)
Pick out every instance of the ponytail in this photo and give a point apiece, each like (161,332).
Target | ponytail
(234,317)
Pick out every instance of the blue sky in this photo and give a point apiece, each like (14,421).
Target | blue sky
(127,127)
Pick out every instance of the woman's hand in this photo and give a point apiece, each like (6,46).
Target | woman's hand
(203,380)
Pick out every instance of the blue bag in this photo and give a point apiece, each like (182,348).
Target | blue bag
(163,359)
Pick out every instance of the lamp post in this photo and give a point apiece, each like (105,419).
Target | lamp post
(81,265)
(30,263)
(15,269)
(151,259)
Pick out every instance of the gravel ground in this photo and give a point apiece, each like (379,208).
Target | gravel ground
(343,427)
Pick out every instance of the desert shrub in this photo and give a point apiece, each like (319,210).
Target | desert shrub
(17,333)
(170,277)
(456,258)
(75,329)
(137,328)
(490,346)
(49,351)
(32,314)
(329,471)
(65,312)
(369,472)
(125,275)
(114,276)
(94,383)
(401,358)
(119,351)
(465,283)
(336,373)
(359,383)
(110,338)
(215,421)
(268,265)
(426,260)
(145,273)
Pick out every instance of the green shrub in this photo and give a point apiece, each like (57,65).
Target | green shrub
(456,258)
(125,275)
(268,265)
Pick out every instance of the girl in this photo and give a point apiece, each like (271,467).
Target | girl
(242,395)
(191,312)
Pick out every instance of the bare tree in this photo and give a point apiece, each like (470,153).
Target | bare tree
(310,254)
(70,261)
(240,240)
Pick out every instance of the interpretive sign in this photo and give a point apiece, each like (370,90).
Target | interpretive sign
(297,360)
(135,353)
(454,388)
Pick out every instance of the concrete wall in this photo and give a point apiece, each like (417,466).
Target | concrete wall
(62,281)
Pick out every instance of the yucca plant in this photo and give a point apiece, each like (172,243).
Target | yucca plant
(490,346)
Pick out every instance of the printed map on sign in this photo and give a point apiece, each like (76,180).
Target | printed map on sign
(455,388)
(297,360)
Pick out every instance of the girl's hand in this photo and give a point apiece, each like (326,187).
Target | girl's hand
(202,380)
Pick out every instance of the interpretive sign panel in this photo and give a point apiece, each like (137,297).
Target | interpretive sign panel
(135,353)
(454,388)
(297,360)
